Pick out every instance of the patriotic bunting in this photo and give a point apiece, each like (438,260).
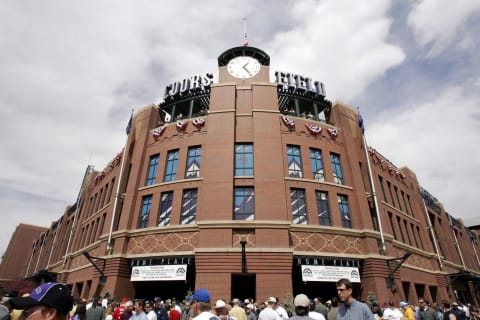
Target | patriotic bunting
(313,129)
(158,132)
(288,122)
(332,132)
(199,122)
(110,166)
(182,124)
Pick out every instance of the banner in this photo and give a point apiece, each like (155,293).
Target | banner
(329,273)
(159,273)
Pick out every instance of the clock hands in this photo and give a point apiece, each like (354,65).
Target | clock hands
(246,69)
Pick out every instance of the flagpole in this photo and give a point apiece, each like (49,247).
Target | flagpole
(432,233)
(383,247)
(245,38)
(109,249)
(88,170)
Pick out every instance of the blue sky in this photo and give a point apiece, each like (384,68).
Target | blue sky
(71,72)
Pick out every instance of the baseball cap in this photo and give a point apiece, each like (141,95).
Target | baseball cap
(301,300)
(220,304)
(50,294)
(272,300)
(157,299)
(403,304)
(201,295)
(250,306)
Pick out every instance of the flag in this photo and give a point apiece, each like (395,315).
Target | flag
(129,125)
(167,117)
(360,123)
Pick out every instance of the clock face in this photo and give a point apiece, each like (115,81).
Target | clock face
(243,67)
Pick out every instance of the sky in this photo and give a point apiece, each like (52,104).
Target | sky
(72,71)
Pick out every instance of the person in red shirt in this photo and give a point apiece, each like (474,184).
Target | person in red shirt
(117,312)
(174,314)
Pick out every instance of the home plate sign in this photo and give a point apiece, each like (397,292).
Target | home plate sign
(159,273)
(329,273)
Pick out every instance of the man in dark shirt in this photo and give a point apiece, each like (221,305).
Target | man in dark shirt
(425,312)
(160,310)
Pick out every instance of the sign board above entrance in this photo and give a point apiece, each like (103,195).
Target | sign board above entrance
(159,273)
(329,273)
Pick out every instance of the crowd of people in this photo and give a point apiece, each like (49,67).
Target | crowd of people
(53,301)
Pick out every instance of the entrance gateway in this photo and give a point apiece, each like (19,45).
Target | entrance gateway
(317,276)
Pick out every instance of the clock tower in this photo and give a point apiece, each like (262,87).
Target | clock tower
(244,64)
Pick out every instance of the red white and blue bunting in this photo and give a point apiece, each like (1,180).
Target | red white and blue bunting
(111,165)
(313,129)
(385,164)
(158,132)
(182,124)
(288,122)
(332,132)
(199,122)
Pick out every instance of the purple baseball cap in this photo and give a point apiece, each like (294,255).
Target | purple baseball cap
(50,294)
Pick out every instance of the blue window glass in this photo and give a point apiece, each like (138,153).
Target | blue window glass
(145,211)
(193,162)
(323,209)
(244,202)
(294,161)
(299,206)
(317,164)
(344,211)
(152,170)
(244,159)
(337,169)
(171,166)
(165,209)
(189,206)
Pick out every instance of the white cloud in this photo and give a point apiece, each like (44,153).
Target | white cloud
(342,43)
(439,24)
(437,140)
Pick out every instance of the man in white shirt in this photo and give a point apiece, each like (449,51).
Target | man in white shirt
(269,313)
(392,313)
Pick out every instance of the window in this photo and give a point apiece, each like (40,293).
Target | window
(404,202)
(152,170)
(380,179)
(165,209)
(402,232)
(389,185)
(193,162)
(171,166)
(244,202)
(336,168)
(344,211)
(392,225)
(244,159)
(323,209)
(299,207)
(189,206)
(398,198)
(317,164)
(145,211)
(294,162)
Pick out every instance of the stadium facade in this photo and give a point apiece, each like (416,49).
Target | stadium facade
(252,186)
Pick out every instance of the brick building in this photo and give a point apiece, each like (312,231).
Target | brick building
(253,187)
(17,256)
